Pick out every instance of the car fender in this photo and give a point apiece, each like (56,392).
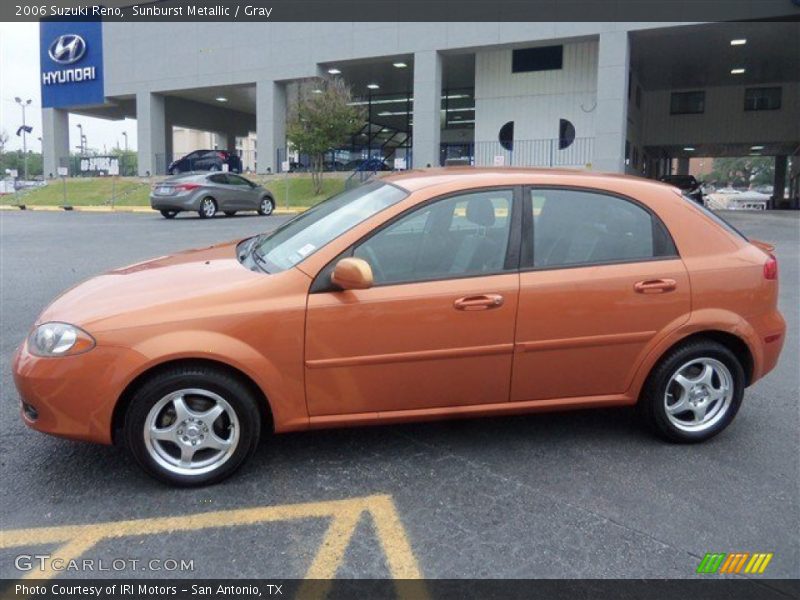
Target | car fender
(707,319)
(218,347)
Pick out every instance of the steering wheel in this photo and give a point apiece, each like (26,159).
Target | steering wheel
(377,270)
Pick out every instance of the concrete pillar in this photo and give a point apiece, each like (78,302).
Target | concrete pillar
(427,109)
(55,140)
(270,124)
(683,165)
(151,130)
(779,184)
(611,116)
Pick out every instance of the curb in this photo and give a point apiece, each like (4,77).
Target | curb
(120,209)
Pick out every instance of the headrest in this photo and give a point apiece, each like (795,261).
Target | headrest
(480,211)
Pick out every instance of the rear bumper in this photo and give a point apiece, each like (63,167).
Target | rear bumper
(188,202)
(771,331)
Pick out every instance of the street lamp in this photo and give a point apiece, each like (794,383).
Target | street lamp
(81,138)
(125,135)
(24,128)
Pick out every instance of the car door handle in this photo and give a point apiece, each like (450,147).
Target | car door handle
(482,302)
(655,286)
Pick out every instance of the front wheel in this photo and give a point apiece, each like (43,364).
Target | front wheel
(208,208)
(169,214)
(192,426)
(693,393)
(266,206)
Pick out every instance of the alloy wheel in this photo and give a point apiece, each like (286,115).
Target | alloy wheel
(191,431)
(208,207)
(699,394)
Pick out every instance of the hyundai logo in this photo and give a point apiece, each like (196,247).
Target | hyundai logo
(67,49)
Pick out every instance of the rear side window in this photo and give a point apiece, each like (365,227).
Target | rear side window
(574,227)
(716,218)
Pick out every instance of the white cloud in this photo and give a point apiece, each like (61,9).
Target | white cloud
(19,76)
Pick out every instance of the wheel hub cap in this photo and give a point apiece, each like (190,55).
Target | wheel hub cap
(699,394)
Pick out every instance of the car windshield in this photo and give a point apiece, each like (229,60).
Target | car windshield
(304,235)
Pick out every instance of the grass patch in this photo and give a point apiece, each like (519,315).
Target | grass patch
(135,191)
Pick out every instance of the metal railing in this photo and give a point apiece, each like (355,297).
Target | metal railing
(523,153)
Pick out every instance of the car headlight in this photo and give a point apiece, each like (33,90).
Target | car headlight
(59,339)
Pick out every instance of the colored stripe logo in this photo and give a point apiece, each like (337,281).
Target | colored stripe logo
(735,562)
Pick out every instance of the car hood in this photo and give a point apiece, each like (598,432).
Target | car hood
(155,290)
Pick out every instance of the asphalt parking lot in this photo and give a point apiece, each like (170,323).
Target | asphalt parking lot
(575,495)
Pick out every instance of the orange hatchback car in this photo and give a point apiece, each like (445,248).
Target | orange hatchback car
(425,295)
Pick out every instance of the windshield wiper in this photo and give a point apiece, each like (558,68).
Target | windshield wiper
(253,253)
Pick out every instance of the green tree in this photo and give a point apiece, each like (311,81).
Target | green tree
(743,171)
(321,118)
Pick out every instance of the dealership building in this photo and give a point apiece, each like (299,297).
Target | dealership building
(634,97)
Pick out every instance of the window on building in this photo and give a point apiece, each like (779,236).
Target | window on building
(573,228)
(687,103)
(762,98)
(546,58)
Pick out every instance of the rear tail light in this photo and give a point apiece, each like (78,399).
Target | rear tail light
(771,267)
(187,187)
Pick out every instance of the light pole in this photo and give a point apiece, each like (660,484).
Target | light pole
(81,138)
(125,135)
(27,102)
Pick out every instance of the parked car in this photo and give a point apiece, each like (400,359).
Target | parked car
(209,193)
(206,160)
(448,293)
(368,164)
(687,184)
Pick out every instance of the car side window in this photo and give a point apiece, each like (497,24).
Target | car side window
(574,227)
(236,180)
(220,178)
(458,236)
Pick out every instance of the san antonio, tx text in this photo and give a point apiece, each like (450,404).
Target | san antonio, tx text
(144,590)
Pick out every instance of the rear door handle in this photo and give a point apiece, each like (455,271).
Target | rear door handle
(482,302)
(655,286)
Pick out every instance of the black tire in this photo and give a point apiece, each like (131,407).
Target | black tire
(230,213)
(205,211)
(266,206)
(236,394)
(652,406)
(169,214)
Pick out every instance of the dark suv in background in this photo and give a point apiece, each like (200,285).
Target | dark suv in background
(687,184)
(206,160)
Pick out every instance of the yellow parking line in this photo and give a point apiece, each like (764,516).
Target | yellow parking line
(344,514)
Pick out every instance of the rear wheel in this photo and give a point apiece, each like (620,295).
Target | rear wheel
(192,425)
(208,208)
(230,213)
(169,214)
(266,206)
(693,393)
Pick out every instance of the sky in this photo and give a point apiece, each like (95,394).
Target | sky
(19,76)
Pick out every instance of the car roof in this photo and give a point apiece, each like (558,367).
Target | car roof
(191,175)
(470,177)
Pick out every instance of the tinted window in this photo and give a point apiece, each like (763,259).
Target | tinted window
(687,103)
(762,98)
(218,179)
(575,228)
(546,58)
(460,236)
(236,180)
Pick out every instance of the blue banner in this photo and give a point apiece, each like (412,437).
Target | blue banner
(71,59)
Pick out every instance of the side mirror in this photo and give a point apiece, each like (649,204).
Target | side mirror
(352,274)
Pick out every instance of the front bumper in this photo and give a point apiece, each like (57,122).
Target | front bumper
(74,396)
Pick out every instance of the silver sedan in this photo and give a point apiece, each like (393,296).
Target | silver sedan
(210,193)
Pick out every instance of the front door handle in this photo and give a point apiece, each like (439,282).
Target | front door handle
(482,302)
(655,286)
